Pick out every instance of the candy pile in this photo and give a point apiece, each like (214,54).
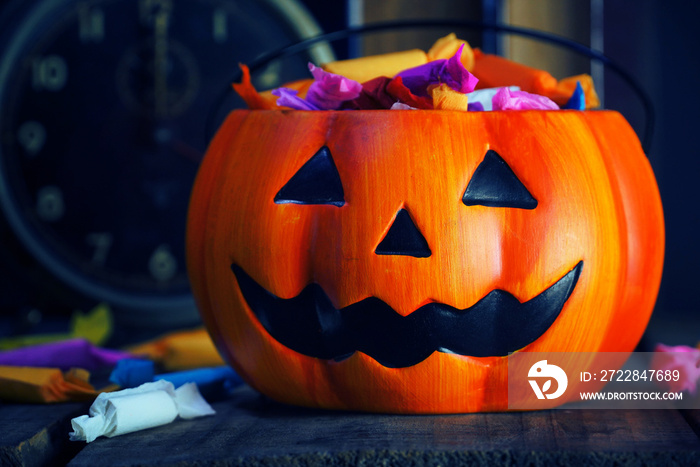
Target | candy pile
(450,76)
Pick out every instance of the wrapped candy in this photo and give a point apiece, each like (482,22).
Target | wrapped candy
(444,78)
(684,359)
(450,72)
(72,353)
(364,69)
(506,99)
(182,350)
(147,406)
(44,385)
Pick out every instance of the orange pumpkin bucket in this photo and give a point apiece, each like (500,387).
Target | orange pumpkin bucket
(390,260)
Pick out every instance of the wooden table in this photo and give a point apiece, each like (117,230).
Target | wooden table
(37,434)
(249,429)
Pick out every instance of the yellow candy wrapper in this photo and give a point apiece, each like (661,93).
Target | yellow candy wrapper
(182,350)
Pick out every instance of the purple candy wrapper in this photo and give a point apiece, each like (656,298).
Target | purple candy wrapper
(73,353)
(442,71)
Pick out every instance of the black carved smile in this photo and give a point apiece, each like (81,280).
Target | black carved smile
(496,325)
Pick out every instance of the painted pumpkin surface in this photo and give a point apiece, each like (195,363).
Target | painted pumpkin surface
(390,260)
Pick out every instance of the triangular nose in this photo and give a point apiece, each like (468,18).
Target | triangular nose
(403,238)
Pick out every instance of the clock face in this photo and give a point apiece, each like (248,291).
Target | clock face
(103,107)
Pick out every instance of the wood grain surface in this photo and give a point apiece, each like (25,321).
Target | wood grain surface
(249,429)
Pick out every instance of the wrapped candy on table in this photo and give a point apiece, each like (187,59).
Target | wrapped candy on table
(214,383)
(182,350)
(44,385)
(147,406)
(72,353)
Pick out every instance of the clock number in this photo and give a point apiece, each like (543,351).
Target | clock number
(49,203)
(162,264)
(49,73)
(91,24)
(31,135)
(101,242)
(219,25)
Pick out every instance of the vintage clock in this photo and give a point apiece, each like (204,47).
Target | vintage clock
(103,108)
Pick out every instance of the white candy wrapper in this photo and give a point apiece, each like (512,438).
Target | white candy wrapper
(147,406)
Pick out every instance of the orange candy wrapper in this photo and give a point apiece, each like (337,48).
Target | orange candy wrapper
(494,71)
(45,385)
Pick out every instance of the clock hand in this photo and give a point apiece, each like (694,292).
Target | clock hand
(160,59)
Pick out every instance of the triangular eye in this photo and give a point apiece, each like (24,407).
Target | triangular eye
(316,182)
(495,185)
(403,238)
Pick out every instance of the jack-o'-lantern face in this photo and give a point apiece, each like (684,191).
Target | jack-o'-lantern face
(390,260)
(495,325)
